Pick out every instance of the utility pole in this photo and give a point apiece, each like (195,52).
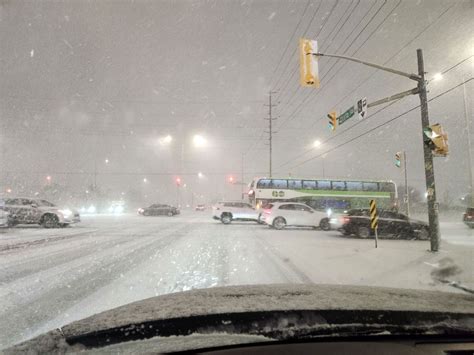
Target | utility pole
(242,177)
(428,156)
(420,89)
(407,198)
(270,132)
(469,156)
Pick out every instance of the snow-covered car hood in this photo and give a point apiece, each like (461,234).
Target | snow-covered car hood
(243,300)
(417,221)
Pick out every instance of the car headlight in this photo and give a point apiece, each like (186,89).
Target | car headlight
(91,209)
(66,213)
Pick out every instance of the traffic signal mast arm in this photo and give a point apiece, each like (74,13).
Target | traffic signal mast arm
(400,95)
(414,91)
(373,65)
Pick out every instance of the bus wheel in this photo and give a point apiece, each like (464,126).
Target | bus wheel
(279,223)
(324,224)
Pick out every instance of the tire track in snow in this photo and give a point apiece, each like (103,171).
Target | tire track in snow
(73,283)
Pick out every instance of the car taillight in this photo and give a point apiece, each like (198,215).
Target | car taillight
(345,220)
(267,211)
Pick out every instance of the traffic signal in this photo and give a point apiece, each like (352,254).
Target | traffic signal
(231,179)
(178,181)
(332,120)
(437,140)
(309,76)
(398,161)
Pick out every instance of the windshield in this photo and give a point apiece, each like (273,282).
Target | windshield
(132,116)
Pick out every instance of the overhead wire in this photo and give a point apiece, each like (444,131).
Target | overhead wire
(393,56)
(372,115)
(380,125)
(300,107)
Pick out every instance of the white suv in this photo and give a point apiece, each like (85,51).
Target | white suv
(281,214)
(228,211)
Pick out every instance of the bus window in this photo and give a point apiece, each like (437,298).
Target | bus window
(338,185)
(263,184)
(294,184)
(324,185)
(387,186)
(279,184)
(354,186)
(370,186)
(309,185)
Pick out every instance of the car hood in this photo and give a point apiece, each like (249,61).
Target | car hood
(417,221)
(248,303)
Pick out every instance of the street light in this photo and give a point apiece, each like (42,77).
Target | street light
(317,143)
(165,140)
(200,175)
(145,180)
(199,141)
(437,76)
(106,161)
(48,178)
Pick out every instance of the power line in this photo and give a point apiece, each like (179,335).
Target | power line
(296,51)
(291,37)
(350,33)
(300,107)
(375,113)
(394,55)
(380,125)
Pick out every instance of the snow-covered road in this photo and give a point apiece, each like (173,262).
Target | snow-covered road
(51,277)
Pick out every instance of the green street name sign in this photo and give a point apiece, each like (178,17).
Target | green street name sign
(346,115)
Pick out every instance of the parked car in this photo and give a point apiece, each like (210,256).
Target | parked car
(158,210)
(200,207)
(281,214)
(38,211)
(390,223)
(228,211)
(468,217)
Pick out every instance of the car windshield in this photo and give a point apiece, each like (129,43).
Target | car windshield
(44,203)
(165,131)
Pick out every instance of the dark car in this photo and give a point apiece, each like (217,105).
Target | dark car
(468,217)
(390,223)
(158,210)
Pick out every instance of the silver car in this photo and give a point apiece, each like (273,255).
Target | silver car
(38,211)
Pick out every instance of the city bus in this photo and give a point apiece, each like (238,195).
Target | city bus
(331,195)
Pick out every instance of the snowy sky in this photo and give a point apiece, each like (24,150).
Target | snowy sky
(84,81)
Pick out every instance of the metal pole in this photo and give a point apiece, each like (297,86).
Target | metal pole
(270,127)
(471,182)
(376,238)
(324,174)
(428,158)
(177,196)
(407,198)
(242,178)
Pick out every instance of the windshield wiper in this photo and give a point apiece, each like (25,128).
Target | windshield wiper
(286,325)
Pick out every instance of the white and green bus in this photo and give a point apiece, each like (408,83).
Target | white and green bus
(324,194)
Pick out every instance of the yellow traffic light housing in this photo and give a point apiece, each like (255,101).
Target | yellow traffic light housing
(437,139)
(332,124)
(309,76)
